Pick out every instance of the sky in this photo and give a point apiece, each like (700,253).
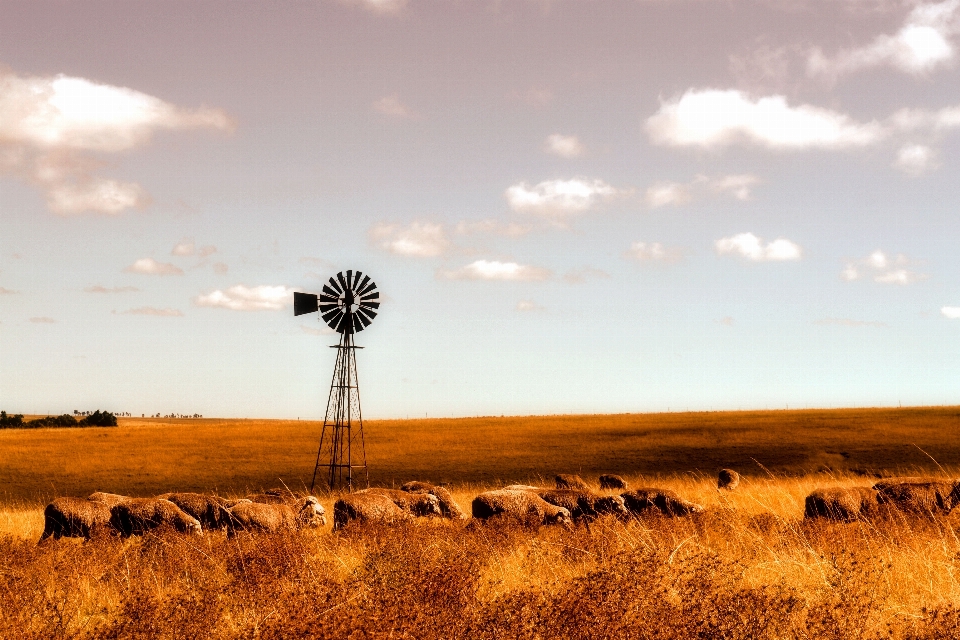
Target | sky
(569,206)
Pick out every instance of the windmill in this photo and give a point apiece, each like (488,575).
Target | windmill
(348,305)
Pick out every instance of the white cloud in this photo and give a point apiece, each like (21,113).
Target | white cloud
(951,312)
(714,118)
(564,146)
(153,311)
(916,159)
(242,298)
(847,322)
(48,125)
(206,250)
(920,46)
(676,193)
(184,248)
(101,289)
(559,199)
(529,305)
(493,226)
(325,331)
(380,7)
(653,252)
(150,267)
(391,106)
(662,194)
(884,269)
(220,268)
(417,239)
(752,248)
(496,270)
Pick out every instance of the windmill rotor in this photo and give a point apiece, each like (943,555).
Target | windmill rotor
(347,303)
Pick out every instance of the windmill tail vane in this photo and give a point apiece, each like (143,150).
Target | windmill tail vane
(348,304)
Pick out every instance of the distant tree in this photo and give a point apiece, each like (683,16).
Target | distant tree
(10,422)
(99,419)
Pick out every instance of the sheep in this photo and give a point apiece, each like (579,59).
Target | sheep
(571,481)
(584,504)
(109,499)
(271,518)
(610,481)
(368,508)
(136,516)
(448,506)
(210,511)
(416,504)
(841,503)
(521,505)
(666,501)
(928,497)
(523,487)
(728,479)
(74,518)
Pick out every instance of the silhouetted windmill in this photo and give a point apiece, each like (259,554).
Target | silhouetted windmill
(348,305)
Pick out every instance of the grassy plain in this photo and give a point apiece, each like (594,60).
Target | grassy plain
(151,456)
(749,567)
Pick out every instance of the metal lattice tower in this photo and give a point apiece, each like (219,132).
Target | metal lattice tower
(348,305)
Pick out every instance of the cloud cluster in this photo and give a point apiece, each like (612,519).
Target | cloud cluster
(953,313)
(568,147)
(529,305)
(716,118)
(916,159)
(153,311)
(653,252)
(188,248)
(50,125)
(884,269)
(557,200)
(750,247)
(242,298)
(920,46)
(676,193)
(496,270)
(417,239)
(150,267)
(101,289)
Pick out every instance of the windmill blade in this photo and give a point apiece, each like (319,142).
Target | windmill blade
(372,314)
(363,317)
(357,327)
(356,279)
(304,303)
(332,316)
(327,308)
(336,287)
(328,297)
(349,284)
(375,296)
(362,284)
(370,287)
(330,293)
(344,324)
(341,281)
(369,304)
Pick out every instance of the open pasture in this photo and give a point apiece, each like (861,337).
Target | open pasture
(152,456)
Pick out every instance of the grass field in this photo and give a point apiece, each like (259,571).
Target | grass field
(151,456)
(748,567)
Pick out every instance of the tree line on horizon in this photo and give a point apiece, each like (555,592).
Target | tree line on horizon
(96,419)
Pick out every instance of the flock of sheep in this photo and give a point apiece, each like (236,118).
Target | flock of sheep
(571,500)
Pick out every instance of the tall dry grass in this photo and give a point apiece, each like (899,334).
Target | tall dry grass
(748,567)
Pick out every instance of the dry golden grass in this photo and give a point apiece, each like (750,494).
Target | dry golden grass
(748,567)
(150,456)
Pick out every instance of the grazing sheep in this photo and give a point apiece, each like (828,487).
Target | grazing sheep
(366,507)
(523,487)
(666,501)
(927,497)
(610,481)
(420,505)
(841,503)
(571,481)
(584,504)
(230,503)
(109,499)
(271,518)
(74,518)
(522,505)
(211,511)
(448,506)
(139,515)
(728,479)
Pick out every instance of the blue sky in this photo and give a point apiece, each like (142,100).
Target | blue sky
(568,206)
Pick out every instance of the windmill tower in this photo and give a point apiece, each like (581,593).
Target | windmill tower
(348,305)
